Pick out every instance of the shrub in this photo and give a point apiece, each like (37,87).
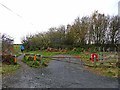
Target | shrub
(36,63)
(8,59)
(30,58)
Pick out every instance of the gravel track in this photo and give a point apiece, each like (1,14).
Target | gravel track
(58,74)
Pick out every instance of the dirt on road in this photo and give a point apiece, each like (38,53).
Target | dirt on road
(58,74)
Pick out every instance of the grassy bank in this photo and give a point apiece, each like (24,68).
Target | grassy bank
(8,69)
(104,69)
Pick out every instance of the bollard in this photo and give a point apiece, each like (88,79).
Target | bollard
(15,59)
(34,57)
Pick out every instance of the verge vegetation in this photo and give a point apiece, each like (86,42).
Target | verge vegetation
(105,68)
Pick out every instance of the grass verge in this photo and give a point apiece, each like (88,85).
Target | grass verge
(104,69)
(109,72)
(7,69)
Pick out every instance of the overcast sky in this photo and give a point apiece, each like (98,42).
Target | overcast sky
(21,17)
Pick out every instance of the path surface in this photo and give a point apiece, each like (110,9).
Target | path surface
(57,75)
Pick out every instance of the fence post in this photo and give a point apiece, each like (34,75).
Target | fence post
(104,54)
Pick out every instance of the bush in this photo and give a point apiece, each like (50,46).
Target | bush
(118,64)
(25,59)
(79,49)
(35,64)
(8,59)
(30,58)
